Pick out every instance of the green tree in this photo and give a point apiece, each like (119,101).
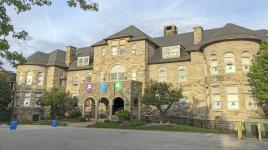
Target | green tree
(57,100)
(5,92)
(7,28)
(159,94)
(258,75)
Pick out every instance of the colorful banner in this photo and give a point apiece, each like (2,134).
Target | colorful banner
(89,87)
(104,87)
(118,86)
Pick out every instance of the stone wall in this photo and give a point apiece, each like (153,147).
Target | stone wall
(239,78)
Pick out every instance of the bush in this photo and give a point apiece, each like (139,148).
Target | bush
(135,123)
(75,114)
(82,119)
(123,115)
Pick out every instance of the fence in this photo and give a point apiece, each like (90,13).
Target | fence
(200,123)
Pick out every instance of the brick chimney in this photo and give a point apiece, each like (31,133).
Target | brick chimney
(70,55)
(198,34)
(170,30)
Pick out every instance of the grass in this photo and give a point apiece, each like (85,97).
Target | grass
(171,127)
(61,122)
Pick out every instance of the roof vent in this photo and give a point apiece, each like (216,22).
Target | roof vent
(170,30)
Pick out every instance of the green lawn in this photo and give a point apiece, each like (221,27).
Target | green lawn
(62,122)
(172,127)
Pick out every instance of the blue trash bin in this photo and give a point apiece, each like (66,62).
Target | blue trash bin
(54,123)
(13,125)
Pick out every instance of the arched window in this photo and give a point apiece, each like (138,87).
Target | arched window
(246,61)
(75,80)
(88,77)
(40,78)
(102,77)
(117,72)
(134,74)
(29,78)
(161,74)
(181,74)
(229,61)
(214,64)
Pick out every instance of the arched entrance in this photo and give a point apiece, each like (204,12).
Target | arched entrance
(89,108)
(118,105)
(103,108)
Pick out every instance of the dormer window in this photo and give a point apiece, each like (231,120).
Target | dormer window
(171,52)
(83,61)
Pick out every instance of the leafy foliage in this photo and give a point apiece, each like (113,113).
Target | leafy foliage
(258,75)
(57,100)
(7,29)
(5,92)
(123,115)
(160,93)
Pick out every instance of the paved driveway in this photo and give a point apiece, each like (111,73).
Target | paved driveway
(70,138)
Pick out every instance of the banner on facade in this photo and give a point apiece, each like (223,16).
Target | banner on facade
(89,87)
(104,87)
(118,86)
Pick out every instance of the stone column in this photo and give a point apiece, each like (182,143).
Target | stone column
(96,111)
(111,111)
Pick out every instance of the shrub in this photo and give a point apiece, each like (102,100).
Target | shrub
(75,114)
(135,123)
(123,115)
(82,119)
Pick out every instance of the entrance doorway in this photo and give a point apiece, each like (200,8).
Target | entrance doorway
(118,105)
(103,109)
(89,108)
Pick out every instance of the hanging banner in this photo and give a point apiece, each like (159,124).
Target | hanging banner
(104,87)
(89,87)
(118,86)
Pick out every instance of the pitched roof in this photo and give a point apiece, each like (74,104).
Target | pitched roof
(228,32)
(54,58)
(133,32)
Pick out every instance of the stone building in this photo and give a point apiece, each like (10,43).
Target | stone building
(210,65)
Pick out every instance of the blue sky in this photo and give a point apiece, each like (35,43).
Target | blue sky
(57,26)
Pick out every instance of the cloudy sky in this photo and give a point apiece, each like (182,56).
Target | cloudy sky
(57,26)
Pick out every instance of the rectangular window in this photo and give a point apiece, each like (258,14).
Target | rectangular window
(114,50)
(216,97)
(122,50)
(171,52)
(117,76)
(133,48)
(214,67)
(27,100)
(250,100)
(103,51)
(183,101)
(83,61)
(74,95)
(232,97)
(246,64)
(36,98)
(162,76)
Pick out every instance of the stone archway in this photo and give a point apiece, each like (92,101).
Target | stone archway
(118,104)
(89,108)
(103,108)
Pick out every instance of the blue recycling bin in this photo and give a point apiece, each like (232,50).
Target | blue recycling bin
(54,123)
(13,125)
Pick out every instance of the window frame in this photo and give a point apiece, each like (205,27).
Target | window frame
(75,80)
(229,61)
(81,61)
(169,51)
(162,75)
(40,79)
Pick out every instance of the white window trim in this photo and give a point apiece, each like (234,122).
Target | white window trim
(84,63)
(168,52)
